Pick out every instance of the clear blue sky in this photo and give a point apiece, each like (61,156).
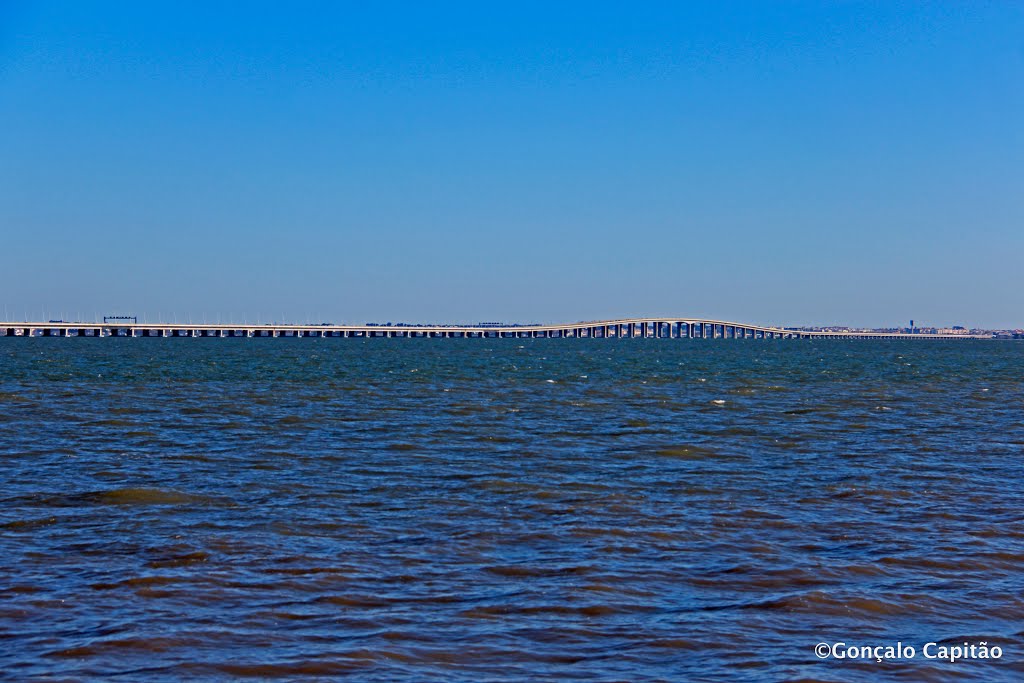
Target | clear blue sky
(833,162)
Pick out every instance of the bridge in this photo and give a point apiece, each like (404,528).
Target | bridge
(663,328)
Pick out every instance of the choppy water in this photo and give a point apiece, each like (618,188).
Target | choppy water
(466,510)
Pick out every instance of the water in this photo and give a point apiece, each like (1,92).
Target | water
(508,510)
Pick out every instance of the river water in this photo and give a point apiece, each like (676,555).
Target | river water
(508,510)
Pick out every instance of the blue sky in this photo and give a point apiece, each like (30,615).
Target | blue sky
(786,162)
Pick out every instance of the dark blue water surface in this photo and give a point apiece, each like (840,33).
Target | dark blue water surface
(508,510)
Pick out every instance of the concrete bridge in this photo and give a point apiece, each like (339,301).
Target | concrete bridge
(664,328)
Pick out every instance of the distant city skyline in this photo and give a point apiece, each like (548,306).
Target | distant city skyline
(802,164)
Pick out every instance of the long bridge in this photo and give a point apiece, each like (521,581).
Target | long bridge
(664,328)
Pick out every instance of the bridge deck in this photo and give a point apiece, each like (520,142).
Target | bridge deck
(669,328)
